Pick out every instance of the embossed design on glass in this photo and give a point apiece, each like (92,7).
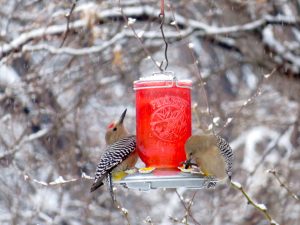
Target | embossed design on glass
(169,121)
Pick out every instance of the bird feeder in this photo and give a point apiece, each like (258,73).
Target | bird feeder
(163,124)
(163,118)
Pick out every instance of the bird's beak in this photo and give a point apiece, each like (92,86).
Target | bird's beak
(187,163)
(122,117)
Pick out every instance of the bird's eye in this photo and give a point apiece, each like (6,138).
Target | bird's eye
(114,129)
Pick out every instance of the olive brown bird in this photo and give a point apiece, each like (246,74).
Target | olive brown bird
(212,154)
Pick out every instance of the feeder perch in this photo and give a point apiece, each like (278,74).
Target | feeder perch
(165,178)
(163,124)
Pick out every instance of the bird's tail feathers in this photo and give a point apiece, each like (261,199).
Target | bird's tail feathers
(96,185)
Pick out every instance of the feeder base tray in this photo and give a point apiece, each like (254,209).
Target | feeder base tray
(165,178)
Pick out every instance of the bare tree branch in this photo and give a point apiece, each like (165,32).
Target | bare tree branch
(24,140)
(68,16)
(282,184)
(37,34)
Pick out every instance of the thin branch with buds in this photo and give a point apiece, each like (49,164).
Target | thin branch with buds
(260,207)
(68,16)
(188,208)
(269,150)
(24,139)
(282,184)
(123,211)
(137,37)
(175,19)
(250,100)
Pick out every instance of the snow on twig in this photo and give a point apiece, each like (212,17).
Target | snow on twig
(103,46)
(261,207)
(37,34)
(59,181)
(284,53)
(150,11)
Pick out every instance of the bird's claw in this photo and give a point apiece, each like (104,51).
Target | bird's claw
(211,181)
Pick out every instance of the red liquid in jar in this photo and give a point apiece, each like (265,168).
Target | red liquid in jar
(163,120)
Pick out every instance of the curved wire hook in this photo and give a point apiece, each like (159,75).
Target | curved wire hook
(162,18)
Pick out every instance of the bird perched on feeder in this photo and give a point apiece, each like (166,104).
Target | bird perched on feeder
(212,154)
(119,154)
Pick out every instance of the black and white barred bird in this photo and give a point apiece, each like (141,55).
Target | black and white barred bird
(212,154)
(119,154)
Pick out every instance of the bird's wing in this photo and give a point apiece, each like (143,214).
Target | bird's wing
(114,155)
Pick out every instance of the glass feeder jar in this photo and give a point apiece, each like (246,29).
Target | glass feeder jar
(163,119)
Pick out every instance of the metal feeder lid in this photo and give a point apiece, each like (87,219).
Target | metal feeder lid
(165,178)
(165,79)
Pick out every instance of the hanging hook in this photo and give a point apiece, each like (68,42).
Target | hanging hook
(162,18)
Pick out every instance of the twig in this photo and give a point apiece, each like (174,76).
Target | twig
(74,51)
(59,181)
(68,16)
(282,184)
(36,34)
(261,207)
(269,150)
(175,19)
(124,211)
(24,140)
(137,37)
(249,100)
(188,208)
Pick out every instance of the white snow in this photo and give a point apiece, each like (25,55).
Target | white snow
(249,77)
(237,184)
(261,206)
(59,180)
(273,222)
(191,45)
(131,21)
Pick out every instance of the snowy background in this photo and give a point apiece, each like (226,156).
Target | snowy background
(60,87)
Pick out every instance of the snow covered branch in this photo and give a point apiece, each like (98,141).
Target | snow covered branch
(37,34)
(106,44)
(148,11)
(261,207)
(59,181)
(190,26)
(283,54)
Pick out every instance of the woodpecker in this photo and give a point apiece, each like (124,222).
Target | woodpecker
(212,154)
(119,154)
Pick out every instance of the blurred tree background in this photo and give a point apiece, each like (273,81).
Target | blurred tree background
(66,71)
